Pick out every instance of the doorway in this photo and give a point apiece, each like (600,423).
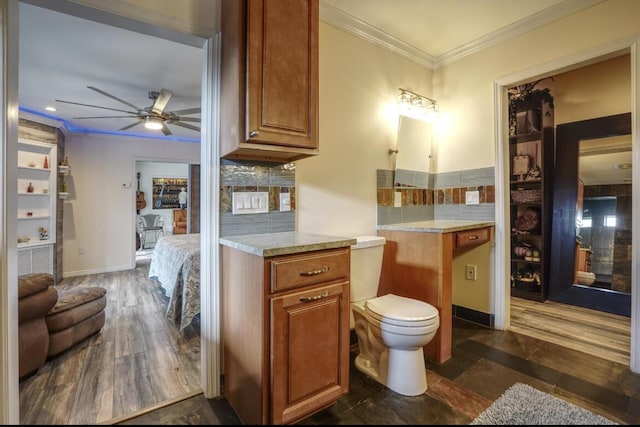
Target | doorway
(209,203)
(501,298)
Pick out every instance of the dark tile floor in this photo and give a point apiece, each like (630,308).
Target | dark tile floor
(484,364)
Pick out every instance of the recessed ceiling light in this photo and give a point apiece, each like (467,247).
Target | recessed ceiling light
(623,166)
(50,108)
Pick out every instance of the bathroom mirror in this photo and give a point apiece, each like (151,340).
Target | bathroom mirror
(414,151)
(604,220)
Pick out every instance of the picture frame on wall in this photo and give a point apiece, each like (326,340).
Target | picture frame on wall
(166,191)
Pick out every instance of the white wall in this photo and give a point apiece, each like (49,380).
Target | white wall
(359,82)
(99,214)
(150,170)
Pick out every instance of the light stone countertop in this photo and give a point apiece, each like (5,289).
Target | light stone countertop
(437,226)
(266,245)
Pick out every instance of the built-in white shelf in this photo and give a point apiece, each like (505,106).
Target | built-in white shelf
(24,193)
(34,168)
(36,255)
(34,217)
(34,242)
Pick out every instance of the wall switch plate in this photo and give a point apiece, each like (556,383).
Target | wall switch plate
(397,199)
(250,202)
(470,272)
(285,202)
(472,197)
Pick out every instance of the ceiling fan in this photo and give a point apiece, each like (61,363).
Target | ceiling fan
(153,117)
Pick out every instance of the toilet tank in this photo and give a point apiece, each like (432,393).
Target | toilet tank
(366,264)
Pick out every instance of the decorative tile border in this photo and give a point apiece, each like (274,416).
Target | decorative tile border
(445,198)
(250,176)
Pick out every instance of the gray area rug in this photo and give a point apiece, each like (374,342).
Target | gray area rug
(524,405)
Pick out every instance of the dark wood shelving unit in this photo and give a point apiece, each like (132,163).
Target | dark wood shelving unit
(529,277)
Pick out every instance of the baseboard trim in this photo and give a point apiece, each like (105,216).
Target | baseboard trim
(474,316)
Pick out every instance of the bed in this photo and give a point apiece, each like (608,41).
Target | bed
(175,264)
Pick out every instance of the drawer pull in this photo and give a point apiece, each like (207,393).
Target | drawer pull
(253,134)
(473,237)
(315,272)
(317,297)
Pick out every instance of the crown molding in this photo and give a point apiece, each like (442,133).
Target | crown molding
(43,120)
(353,25)
(342,20)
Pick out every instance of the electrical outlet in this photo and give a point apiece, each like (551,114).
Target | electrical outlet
(81,250)
(470,272)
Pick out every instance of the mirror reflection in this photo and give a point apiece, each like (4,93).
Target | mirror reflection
(603,252)
(414,152)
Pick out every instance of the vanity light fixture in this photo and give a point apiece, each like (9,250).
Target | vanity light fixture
(416,106)
(153,123)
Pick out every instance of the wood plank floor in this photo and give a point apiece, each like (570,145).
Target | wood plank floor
(594,332)
(138,360)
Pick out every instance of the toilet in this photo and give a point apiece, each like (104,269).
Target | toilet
(585,278)
(392,330)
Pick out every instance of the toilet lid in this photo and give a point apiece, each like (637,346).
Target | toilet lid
(399,310)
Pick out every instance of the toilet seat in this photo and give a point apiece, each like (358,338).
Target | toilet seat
(401,311)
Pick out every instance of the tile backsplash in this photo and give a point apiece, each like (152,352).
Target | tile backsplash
(251,176)
(443,197)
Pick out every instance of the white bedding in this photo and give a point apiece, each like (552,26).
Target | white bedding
(176,265)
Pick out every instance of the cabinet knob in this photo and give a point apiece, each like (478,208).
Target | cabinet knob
(253,134)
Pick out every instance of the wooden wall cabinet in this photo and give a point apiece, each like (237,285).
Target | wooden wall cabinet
(285,333)
(36,206)
(269,79)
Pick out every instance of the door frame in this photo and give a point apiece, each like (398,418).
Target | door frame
(501,287)
(210,317)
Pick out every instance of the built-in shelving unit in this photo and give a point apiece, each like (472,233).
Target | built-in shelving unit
(36,189)
(531,160)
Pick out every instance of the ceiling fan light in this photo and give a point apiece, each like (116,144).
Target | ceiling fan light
(153,123)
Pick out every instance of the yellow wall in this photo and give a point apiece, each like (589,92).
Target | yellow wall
(464,88)
(473,294)
(359,83)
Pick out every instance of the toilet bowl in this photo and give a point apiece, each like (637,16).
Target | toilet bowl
(585,278)
(391,329)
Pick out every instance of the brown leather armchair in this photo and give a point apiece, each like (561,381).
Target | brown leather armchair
(36,296)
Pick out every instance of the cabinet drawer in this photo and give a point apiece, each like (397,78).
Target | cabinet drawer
(470,238)
(308,269)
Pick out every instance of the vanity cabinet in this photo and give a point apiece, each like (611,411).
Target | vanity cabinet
(269,79)
(36,213)
(285,333)
(531,185)
(418,262)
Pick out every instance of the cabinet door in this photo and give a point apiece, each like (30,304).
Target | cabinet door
(310,351)
(283,72)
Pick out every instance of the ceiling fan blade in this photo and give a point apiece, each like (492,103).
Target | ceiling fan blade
(184,125)
(186,119)
(96,106)
(166,130)
(115,98)
(105,117)
(187,111)
(161,101)
(131,125)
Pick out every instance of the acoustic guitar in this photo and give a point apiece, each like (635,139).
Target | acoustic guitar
(140,202)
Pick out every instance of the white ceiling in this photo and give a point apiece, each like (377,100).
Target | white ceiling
(60,54)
